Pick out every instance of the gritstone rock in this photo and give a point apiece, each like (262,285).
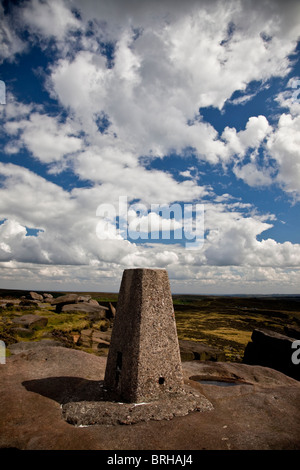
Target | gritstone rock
(271,349)
(31,321)
(35,296)
(85,307)
(194,350)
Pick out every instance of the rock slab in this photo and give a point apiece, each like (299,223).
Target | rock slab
(194,350)
(31,321)
(35,296)
(271,349)
(260,413)
(85,307)
(74,303)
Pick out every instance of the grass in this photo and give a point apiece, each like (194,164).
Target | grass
(66,321)
(228,322)
(63,327)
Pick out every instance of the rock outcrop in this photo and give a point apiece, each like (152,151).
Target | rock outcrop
(95,339)
(35,296)
(194,350)
(271,349)
(73,303)
(31,321)
(62,300)
(85,307)
(47,297)
(261,412)
(112,310)
(4,303)
(292,331)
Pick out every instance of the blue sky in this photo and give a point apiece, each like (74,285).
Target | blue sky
(161,103)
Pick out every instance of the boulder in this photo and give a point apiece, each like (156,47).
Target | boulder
(112,309)
(92,338)
(83,301)
(83,298)
(4,303)
(67,298)
(271,349)
(62,300)
(31,321)
(47,297)
(21,332)
(104,335)
(100,339)
(85,307)
(194,350)
(35,296)
(85,339)
(292,331)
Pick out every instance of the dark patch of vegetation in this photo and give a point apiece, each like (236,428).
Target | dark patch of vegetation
(64,337)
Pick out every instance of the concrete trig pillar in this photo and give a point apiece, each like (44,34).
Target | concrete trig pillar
(144,358)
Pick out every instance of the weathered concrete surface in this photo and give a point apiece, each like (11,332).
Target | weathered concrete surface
(144,359)
(261,413)
(86,413)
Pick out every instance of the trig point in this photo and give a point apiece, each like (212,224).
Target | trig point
(144,358)
(143,376)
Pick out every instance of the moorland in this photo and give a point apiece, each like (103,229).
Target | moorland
(223,322)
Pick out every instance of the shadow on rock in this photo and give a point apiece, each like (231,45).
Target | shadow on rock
(66,389)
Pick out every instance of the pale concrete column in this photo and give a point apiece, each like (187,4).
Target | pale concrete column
(144,358)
